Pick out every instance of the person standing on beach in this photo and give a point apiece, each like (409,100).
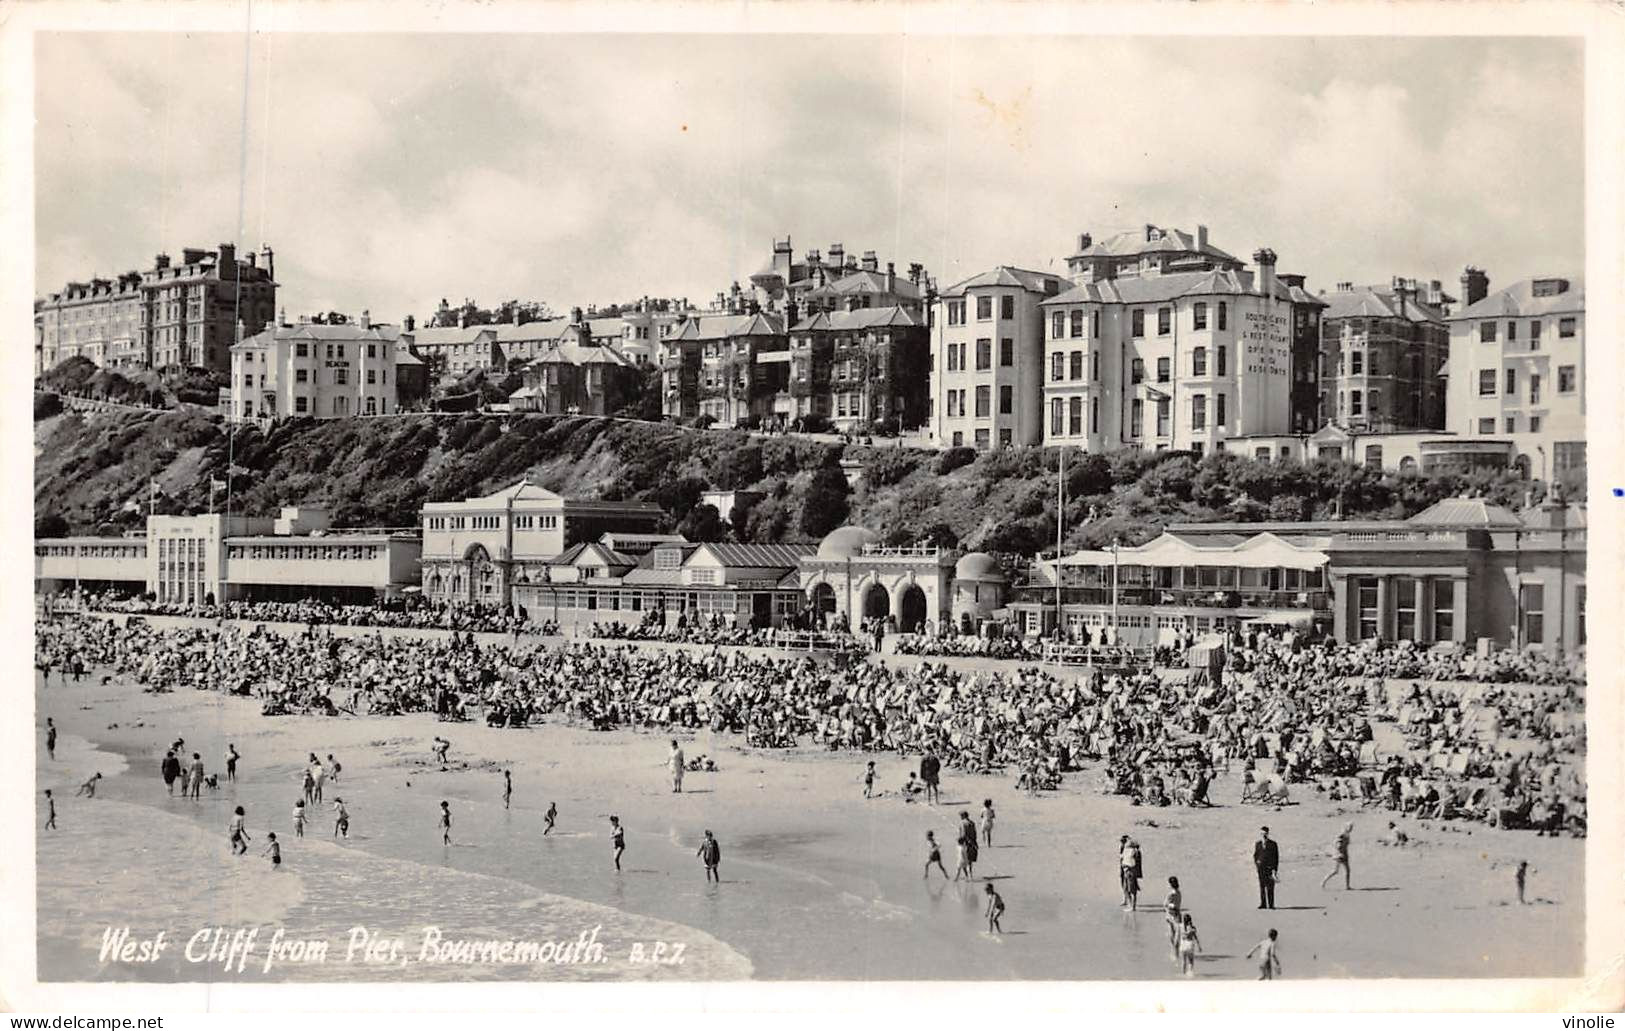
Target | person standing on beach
(333,768)
(934,855)
(675,761)
(710,854)
(172,771)
(617,840)
(195,778)
(869,780)
(930,772)
(1340,852)
(274,850)
(320,773)
(310,786)
(231,762)
(1269,957)
(1187,946)
(1266,862)
(995,910)
(299,818)
(548,818)
(50,818)
(987,822)
(1172,909)
(239,837)
(1130,870)
(967,835)
(50,738)
(1521,875)
(341,822)
(507,788)
(445,823)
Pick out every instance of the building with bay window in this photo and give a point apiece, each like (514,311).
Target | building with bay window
(861,367)
(316,371)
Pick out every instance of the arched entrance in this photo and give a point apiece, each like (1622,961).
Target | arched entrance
(823,601)
(914,609)
(876,602)
(1521,467)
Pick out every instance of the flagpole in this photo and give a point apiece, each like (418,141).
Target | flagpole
(1060,534)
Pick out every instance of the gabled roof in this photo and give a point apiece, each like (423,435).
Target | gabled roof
(320,333)
(865,281)
(1009,275)
(592,553)
(1174,285)
(1519,300)
(1132,242)
(723,327)
(863,318)
(1378,303)
(576,354)
(443,335)
(1466,512)
(1261,551)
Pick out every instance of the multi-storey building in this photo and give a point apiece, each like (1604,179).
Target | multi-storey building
(476,550)
(1517,373)
(836,283)
(456,350)
(1382,356)
(316,371)
(187,314)
(1178,360)
(861,367)
(987,353)
(713,366)
(578,379)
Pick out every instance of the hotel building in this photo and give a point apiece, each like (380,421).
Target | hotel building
(1382,355)
(860,367)
(316,371)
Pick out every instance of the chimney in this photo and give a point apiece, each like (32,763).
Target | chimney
(870,262)
(228,258)
(253,260)
(270,261)
(1151,232)
(1201,238)
(891,277)
(813,260)
(1475,285)
(575,316)
(837,254)
(790,313)
(516,313)
(462,319)
(1085,241)
(408,323)
(161,261)
(1345,287)
(366,319)
(1266,271)
(1435,292)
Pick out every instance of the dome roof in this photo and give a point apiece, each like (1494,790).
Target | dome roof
(979,567)
(846,542)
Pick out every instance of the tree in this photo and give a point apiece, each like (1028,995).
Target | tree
(703,524)
(50,525)
(824,505)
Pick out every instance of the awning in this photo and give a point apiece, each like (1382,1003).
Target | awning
(1263,551)
(1301,618)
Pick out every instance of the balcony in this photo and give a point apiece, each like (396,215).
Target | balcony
(1177,597)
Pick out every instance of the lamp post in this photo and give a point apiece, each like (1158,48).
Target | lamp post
(1116,542)
(1060,532)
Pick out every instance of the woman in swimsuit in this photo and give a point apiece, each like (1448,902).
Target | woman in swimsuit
(617,839)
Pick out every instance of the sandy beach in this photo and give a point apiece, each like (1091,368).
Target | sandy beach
(817,882)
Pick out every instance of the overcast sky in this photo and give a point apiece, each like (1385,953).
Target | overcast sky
(389,171)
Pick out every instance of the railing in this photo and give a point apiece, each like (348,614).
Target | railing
(1211,597)
(1095,655)
(811,640)
(901,551)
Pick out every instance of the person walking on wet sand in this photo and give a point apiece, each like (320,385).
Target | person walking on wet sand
(273,849)
(675,761)
(987,822)
(1521,875)
(710,854)
(1188,946)
(88,788)
(333,768)
(1340,852)
(934,855)
(231,762)
(1130,870)
(869,780)
(299,818)
(171,769)
(1173,908)
(239,837)
(995,910)
(195,776)
(507,788)
(617,840)
(1269,956)
(50,738)
(548,817)
(930,774)
(1266,862)
(341,822)
(445,823)
(50,810)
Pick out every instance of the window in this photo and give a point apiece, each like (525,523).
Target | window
(1006,399)
(984,399)
(1005,437)
(372,350)
(984,354)
(1162,416)
(301,375)
(1534,388)
(1076,323)
(1199,412)
(1356,403)
(1512,382)
(1221,360)
(341,376)
(1058,325)
(1057,366)
(1007,307)
(1568,454)
(1199,315)
(1137,322)
(1486,382)
(1486,427)
(1136,417)
(1094,419)
(1055,417)
(1580,613)
(1565,328)
(372,376)
(1075,365)
(956,313)
(372,406)
(1094,366)
(1074,415)
(1531,606)
(1534,424)
(1007,352)
(1486,332)
(1512,332)
(1218,411)
(959,439)
(1163,370)
(301,405)
(1199,361)
(301,350)
(1366,601)
(1512,424)
(1224,314)
(1534,335)
(1356,363)
(1404,605)
(1565,379)
(1095,325)
(1165,318)
(1137,371)
(983,439)
(984,309)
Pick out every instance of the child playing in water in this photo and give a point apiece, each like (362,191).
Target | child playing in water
(995,909)
(274,850)
(341,825)
(333,768)
(50,820)
(445,823)
(299,818)
(88,788)
(869,780)
(934,856)
(1172,908)
(548,818)
(1190,945)
(987,822)
(1269,960)
(239,837)
(231,762)
(617,839)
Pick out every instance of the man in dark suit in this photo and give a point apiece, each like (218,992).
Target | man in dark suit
(1266,859)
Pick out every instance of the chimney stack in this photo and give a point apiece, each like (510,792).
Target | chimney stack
(408,323)
(1475,286)
(228,259)
(891,277)
(790,313)
(462,319)
(270,261)
(575,316)
(837,254)
(1085,241)
(161,261)
(516,313)
(813,260)
(1266,271)
(870,262)
(366,319)
(1201,238)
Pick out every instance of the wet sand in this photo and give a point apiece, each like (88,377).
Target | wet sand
(817,881)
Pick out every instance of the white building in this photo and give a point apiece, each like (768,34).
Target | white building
(1517,373)
(315,371)
(987,352)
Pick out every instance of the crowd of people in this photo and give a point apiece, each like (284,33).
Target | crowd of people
(716,631)
(416,615)
(1298,714)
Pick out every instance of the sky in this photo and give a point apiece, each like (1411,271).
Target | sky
(389,171)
